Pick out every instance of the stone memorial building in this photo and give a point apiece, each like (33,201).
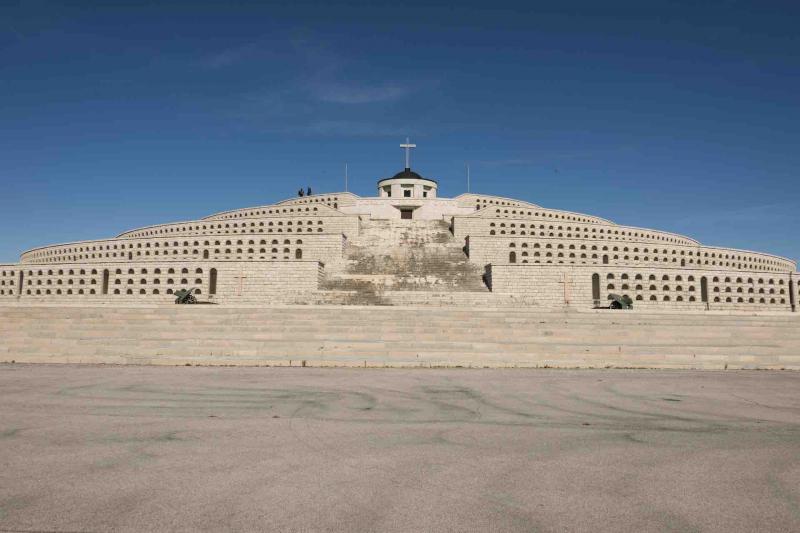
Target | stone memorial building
(404,278)
(406,245)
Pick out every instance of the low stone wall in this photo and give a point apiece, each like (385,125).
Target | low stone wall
(258,282)
(558,286)
(395,336)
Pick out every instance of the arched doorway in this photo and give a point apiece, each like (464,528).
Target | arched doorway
(212,281)
(704,290)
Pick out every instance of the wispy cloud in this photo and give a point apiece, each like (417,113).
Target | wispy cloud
(350,128)
(320,71)
(511,162)
(316,89)
(230,56)
(553,157)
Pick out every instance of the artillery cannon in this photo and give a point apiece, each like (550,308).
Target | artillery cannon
(620,302)
(185,296)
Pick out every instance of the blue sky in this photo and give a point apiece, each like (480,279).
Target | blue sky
(680,116)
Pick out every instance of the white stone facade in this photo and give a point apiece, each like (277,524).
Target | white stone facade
(281,253)
(398,188)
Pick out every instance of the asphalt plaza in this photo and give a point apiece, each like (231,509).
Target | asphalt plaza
(137,448)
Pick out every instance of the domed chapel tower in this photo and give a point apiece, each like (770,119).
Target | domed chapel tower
(407,184)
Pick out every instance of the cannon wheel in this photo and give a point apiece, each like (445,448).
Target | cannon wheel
(190,299)
(615,305)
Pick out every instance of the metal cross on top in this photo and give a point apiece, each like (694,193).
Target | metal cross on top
(408,146)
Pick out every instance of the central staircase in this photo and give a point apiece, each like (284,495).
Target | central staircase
(403,262)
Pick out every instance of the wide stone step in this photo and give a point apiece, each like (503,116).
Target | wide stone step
(398,335)
(195,313)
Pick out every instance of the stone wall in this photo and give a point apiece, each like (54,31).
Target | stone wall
(9,281)
(332,223)
(270,247)
(289,208)
(483,201)
(618,251)
(155,282)
(523,210)
(325,204)
(649,288)
(424,209)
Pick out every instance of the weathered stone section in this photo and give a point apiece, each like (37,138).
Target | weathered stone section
(396,336)
(396,256)
(266,283)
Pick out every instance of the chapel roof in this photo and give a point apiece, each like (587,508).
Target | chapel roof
(409,174)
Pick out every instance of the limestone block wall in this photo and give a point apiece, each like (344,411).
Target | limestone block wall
(316,204)
(538,227)
(276,247)
(273,224)
(482,201)
(332,200)
(586,240)
(9,281)
(533,249)
(531,211)
(649,288)
(543,285)
(387,208)
(156,282)
(269,282)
